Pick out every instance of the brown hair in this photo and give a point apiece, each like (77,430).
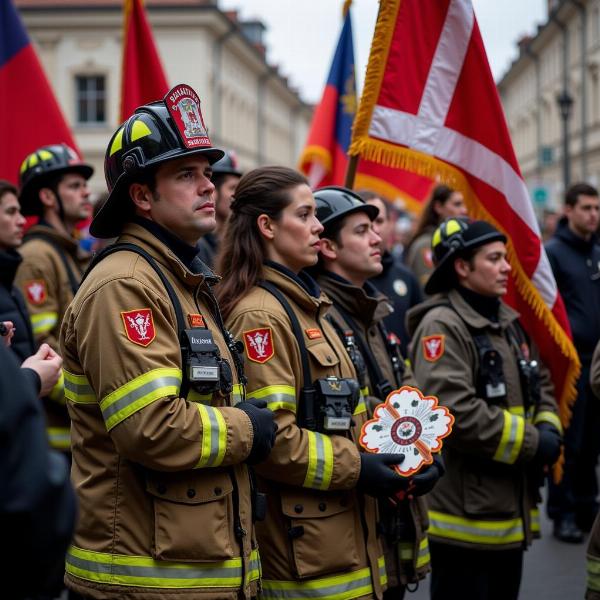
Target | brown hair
(7,188)
(429,218)
(240,261)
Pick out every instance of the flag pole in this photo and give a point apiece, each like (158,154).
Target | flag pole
(351,171)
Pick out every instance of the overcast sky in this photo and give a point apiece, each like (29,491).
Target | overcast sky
(302,35)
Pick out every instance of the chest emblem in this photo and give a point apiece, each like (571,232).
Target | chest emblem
(139,326)
(433,347)
(196,320)
(313,334)
(259,344)
(36,292)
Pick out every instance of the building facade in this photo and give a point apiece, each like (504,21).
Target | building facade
(247,104)
(557,75)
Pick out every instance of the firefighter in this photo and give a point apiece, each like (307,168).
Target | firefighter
(319,539)
(155,388)
(470,351)
(225,177)
(350,254)
(53,184)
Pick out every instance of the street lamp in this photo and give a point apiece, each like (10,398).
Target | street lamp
(565,103)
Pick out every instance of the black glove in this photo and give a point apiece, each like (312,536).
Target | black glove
(264,426)
(549,442)
(424,481)
(376,478)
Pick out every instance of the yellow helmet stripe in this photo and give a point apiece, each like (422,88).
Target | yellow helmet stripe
(117,143)
(139,129)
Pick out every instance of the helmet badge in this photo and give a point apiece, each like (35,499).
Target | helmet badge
(184,107)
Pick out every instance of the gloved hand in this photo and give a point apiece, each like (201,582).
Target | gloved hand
(264,426)
(424,481)
(376,478)
(548,449)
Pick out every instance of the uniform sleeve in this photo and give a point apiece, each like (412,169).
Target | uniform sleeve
(38,281)
(300,457)
(547,410)
(595,372)
(128,346)
(442,364)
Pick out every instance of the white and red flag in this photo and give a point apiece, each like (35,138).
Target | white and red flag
(430,106)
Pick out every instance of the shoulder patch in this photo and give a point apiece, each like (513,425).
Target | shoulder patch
(258,344)
(196,320)
(36,291)
(433,347)
(139,326)
(427,257)
(313,333)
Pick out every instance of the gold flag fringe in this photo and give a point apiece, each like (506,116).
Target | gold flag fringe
(315,153)
(346,8)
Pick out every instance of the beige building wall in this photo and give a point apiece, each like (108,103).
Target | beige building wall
(529,93)
(247,104)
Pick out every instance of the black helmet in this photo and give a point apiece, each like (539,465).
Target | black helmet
(335,203)
(41,166)
(450,240)
(156,133)
(228,165)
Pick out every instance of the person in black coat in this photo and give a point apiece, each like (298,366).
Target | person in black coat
(574,255)
(37,502)
(12,304)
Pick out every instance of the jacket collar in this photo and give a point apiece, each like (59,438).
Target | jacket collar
(191,275)
(67,242)
(366,304)
(564,233)
(506,315)
(9,262)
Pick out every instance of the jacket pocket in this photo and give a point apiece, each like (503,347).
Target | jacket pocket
(193,515)
(323,354)
(322,532)
(491,491)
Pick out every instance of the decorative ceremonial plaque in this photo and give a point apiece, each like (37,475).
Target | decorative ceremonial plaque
(407,423)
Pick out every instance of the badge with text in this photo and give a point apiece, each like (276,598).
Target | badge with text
(433,347)
(139,326)
(36,292)
(184,107)
(313,334)
(407,423)
(196,320)
(259,344)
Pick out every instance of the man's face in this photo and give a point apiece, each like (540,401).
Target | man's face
(583,217)
(75,195)
(224,196)
(11,222)
(358,254)
(486,272)
(382,225)
(183,201)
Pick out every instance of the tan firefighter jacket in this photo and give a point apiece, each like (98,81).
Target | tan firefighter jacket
(165,501)
(319,539)
(408,560)
(44,280)
(488,496)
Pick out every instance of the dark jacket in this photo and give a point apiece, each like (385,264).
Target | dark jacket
(403,291)
(12,306)
(208,247)
(576,266)
(37,503)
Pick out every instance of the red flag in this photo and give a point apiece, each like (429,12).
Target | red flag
(30,116)
(430,106)
(143,79)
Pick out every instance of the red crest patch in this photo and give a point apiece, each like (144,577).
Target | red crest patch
(35,290)
(433,347)
(139,326)
(196,321)
(313,334)
(184,107)
(259,344)
(428,257)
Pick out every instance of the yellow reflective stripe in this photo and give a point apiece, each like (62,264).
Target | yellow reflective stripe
(43,322)
(511,441)
(141,571)
(57,393)
(517,410)
(406,550)
(117,142)
(593,573)
(214,437)
(277,397)
(320,461)
(336,587)
(534,515)
(138,393)
(237,394)
(78,389)
(474,531)
(139,129)
(361,407)
(59,437)
(546,416)
(423,558)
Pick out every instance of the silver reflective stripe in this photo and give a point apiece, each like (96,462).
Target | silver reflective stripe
(272,591)
(215,436)
(513,438)
(473,533)
(320,467)
(138,393)
(78,389)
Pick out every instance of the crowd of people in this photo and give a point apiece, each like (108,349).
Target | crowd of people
(205,375)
